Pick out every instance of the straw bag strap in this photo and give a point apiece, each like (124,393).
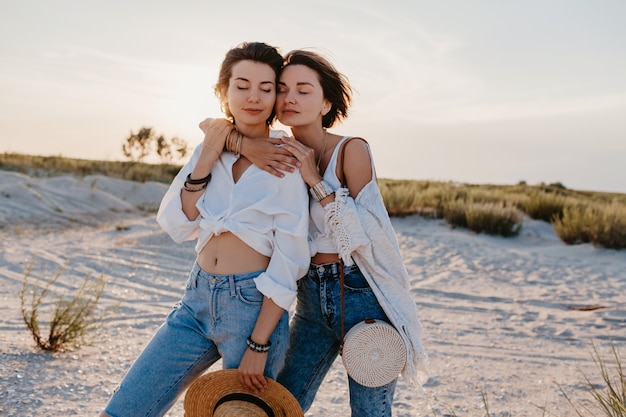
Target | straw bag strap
(342,180)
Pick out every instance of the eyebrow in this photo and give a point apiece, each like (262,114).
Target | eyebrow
(299,83)
(247,80)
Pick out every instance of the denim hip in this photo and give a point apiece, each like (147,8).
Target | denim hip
(315,336)
(212,321)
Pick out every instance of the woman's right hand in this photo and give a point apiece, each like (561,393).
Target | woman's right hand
(269,155)
(215,133)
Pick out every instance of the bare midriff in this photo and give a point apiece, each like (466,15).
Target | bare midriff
(324,258)
(226,254)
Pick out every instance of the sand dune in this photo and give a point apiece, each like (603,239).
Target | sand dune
(512,318)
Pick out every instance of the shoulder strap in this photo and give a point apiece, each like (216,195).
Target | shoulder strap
(340,156)
(342,180)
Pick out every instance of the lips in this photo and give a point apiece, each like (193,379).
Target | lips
(253,111)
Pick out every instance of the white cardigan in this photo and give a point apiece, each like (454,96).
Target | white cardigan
(363,233)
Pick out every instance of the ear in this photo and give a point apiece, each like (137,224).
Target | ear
(326,106)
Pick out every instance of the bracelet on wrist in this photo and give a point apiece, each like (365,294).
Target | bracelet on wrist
(194,189)
(257,347)
(238,142)
(321,190)
(229,145)
(191,181)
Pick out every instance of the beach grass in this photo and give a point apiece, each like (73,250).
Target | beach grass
(73,317)
(578,216)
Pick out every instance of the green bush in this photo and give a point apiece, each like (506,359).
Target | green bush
(72,317)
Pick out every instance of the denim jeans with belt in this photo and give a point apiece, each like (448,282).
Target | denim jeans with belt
(315,336)
(213,320)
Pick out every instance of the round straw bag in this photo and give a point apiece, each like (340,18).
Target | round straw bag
(374,353)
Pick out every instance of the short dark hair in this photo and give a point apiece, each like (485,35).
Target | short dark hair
(335,85)
(247,51)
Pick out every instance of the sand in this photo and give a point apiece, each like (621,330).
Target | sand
(512,320)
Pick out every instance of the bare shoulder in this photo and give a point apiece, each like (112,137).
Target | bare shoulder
(357,165)
(357,149)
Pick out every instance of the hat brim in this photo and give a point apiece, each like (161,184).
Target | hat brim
(213,389)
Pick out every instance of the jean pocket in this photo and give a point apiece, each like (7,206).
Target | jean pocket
(355,281)
(250,295)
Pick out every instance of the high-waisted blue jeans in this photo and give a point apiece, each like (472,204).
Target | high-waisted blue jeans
(315,336)
(213,320)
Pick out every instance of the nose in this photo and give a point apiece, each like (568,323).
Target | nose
(253,97)
(290,98)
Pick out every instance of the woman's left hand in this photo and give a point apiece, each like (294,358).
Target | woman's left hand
(251,370)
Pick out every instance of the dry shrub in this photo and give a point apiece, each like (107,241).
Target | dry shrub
(545,206)
(601,224)
(490,218)
(72,317)
(454,213)
(494,219)
(610,397)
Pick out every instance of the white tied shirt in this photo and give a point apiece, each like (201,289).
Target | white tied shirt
(268,213)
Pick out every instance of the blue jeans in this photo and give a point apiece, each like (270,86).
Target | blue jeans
(213,320)
(315,337)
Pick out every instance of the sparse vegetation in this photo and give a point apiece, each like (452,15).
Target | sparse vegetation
(72,317)
(577,216)
(609,396)
(50,166)
(145,142)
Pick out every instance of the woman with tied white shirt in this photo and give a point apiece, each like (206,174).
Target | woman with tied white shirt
(251,230)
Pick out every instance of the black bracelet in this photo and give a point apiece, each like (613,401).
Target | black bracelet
(257,347)
(197,182)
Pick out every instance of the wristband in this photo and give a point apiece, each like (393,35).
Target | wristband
(204,180)
(257,347)
(321,190)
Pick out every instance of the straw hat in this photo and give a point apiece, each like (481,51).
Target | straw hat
(220,394)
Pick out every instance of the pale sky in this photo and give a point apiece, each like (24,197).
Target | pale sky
(470,91)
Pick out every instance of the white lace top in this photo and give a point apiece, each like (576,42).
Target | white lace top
(363,234)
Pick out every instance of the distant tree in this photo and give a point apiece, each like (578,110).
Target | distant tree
(138,146)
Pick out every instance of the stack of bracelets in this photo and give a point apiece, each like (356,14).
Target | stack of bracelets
(257,347)
(201,183)
(234,144)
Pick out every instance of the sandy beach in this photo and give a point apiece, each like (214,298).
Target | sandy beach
(513,319)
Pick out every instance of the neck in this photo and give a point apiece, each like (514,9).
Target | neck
(311,136)
(253,131)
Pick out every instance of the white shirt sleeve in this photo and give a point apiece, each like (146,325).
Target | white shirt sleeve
(171,216)
(290,257)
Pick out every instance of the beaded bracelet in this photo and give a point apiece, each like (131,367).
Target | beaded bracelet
(204,180)
(257,347)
